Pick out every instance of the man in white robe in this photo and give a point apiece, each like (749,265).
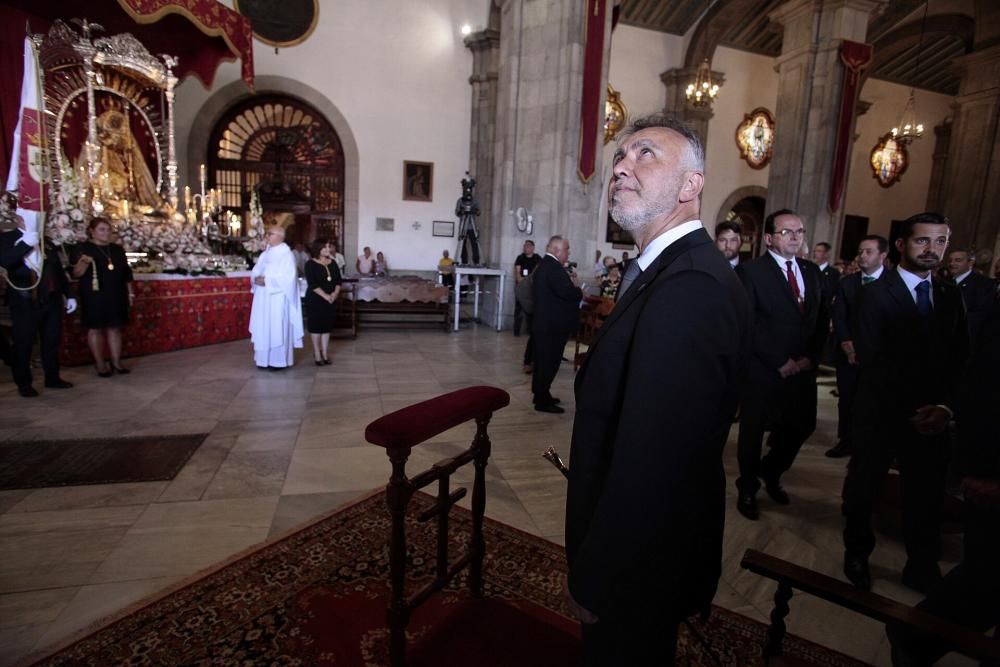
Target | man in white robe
(276,315)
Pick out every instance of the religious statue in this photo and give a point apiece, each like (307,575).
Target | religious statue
(125,176)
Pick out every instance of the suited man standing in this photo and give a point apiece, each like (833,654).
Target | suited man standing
(728,239)
(654,401)
(37,304)
(557,315)
(977,290)
(831,276)
(912,344)
(789,329)
(872,251)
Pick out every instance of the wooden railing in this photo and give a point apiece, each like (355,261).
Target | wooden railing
(399,432)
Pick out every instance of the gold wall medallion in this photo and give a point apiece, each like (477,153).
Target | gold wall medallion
(755,137)
(615,115)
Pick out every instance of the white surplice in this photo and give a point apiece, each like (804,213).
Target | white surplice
(276,315)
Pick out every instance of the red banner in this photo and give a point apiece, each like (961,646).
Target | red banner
(856,58)
(591,113)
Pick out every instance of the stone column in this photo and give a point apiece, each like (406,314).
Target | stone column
(971,187)
(676,80)
(942,140)
(485,47)
(810,80)
(538,131)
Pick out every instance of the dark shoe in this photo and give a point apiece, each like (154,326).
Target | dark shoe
(58,383)
(327,362)
(29,392)
(840,451)
(746,504)
(104,374)
(921,576)
(120,370)
(856,571)
(320,363)
(553,399)
(549,407)
(778,494)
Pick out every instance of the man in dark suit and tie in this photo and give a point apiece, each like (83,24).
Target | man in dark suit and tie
(37,304)
(654,401)
(978,291)
(912,343)
(831,276)
(790,327)
(556,316)
(872,252)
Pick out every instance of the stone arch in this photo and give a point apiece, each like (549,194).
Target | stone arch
(215,106)
(735,196)
(733,200)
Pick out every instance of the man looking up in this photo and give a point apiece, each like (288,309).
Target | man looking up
(276,315)
(790,327)
(556,316)
(654,401)
(728,240)
(911,342)
(872,251)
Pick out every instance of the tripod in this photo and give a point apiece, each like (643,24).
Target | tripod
(467,232)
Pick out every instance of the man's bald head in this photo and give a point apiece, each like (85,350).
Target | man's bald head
(275,235)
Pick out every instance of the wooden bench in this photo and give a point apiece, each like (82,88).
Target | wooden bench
(794,577)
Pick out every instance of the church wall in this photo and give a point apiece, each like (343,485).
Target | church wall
(398,72)
(865,197)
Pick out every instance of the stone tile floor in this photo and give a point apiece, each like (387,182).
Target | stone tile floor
(285,447)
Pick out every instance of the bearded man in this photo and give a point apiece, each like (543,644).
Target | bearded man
(654,401)
(276,315)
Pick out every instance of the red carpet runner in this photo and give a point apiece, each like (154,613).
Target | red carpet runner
(318,597)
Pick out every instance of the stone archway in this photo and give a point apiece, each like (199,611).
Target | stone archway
(741,201)
(215,107)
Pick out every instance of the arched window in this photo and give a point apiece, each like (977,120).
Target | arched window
(290,148)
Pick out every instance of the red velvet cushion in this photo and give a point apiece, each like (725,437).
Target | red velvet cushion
(414,424)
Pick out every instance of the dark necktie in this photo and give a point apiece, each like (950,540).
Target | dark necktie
(867,279)
(631,273)
(795,286)
(924,297)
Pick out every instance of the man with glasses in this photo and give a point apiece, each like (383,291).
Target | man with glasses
(789,330)
(276,315)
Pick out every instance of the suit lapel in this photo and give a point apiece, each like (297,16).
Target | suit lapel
(673,251)
(900,292)
(811,296)
(781,281)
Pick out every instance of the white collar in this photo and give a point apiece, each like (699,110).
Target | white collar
(734,261)
(782,262)
(912,279)
(962,277)
(874,275)
(822,267)
(664,240)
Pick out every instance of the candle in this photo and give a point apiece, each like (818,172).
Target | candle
(204,177)
(125,209)
(187,197)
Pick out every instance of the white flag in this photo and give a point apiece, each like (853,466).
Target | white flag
(26,175)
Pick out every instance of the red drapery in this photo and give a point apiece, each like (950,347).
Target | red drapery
(856,57)
(591,113)
(201,33)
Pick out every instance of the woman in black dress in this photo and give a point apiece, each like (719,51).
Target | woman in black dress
(323,278)
(105,286)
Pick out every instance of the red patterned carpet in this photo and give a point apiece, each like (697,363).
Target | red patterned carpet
(318,597)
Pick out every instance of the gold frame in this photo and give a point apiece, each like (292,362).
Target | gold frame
(294,42)
(874,160)
(614,105)
(749,120)
(408,194)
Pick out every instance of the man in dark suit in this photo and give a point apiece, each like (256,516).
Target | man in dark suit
(654,401)
(728,239)
(912,343)
(37,304)
(872,251)
(978,291)
(556,316)
(831,276)
(790,327)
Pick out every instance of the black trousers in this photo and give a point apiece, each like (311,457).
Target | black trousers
(519,316)
(630,641)
(788,410)
(847,386)
(923,467)
(29,321)
(548,346)
(967,595)
(529,353)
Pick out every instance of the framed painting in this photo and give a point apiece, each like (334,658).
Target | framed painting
(444,228)
(418,181)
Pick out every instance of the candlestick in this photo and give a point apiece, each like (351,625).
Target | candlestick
(187,197)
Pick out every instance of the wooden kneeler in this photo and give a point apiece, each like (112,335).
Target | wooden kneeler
(399,432)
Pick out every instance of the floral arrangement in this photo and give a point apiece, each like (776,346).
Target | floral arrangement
(255,229)
(66,223)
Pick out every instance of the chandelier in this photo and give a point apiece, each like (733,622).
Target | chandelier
(702,92)
(908,128)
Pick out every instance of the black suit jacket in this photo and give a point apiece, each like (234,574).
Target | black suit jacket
(780,330)
(654,401)
(557,299)
(845,306)
(907,361)
(53,283)
(978,293)
(829,276)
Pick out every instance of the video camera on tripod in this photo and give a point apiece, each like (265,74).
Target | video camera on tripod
(467,210)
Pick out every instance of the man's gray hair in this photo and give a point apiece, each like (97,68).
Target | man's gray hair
(671,123)
(552,241)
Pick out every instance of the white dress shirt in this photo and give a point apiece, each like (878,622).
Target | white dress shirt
(959,279)
(874,275)
(912,280)
(661,242)
(795,269)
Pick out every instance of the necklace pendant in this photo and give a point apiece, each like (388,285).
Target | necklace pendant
(111,267)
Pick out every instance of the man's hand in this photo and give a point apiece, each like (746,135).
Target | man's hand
(930,420)
(804,364)
(788,369)
(259,280)
(584,615)
(848,347)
